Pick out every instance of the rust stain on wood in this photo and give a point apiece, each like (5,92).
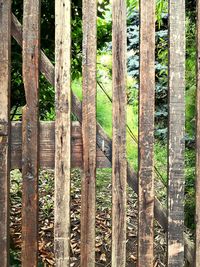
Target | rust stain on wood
(176,140)
(30,132)
(119,163)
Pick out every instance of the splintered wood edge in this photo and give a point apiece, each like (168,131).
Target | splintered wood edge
(47,146)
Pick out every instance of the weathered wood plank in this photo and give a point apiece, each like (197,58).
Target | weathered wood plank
(5,62)
(88,192)
(105,144)
(47,147)
(30,132)
(62,132)
(119,163)
(146,134)
(176,140)
(197,239)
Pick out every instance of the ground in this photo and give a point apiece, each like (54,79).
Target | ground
(103,221)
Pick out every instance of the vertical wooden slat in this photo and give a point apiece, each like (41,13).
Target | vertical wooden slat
(5,33)
(197,239)
(146,134)
(30,132)
(89,134)
(62,131)
(176,142)
(119,164)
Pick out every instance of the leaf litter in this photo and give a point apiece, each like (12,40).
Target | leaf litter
(103,221)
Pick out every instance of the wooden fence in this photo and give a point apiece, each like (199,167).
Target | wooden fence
(31,144)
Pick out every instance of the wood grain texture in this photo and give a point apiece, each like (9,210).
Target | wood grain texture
(176,141)
(197,239)
(119,163)
(88,192)
(62,132)
(105,144)
(146,134)
(47,147)
(5,62)
(30,132)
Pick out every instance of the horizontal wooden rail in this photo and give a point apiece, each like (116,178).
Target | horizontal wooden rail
(104,142)
(47,146)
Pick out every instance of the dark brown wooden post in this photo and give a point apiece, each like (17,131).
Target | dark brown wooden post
(146,134)
(62,132)
(197,245)
(176,142)
(119,163)
(5,62)
(30,132)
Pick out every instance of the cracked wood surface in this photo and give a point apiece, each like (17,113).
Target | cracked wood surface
(105,143)
(176,141)
(30,132)
(5,64)
(62,132)
(88,187)
(146,134)
(119,163)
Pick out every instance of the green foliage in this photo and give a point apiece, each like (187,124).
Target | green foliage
(190,188)
(190,77)
(14,258)
(161,11)
(161,113)
(48,45)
